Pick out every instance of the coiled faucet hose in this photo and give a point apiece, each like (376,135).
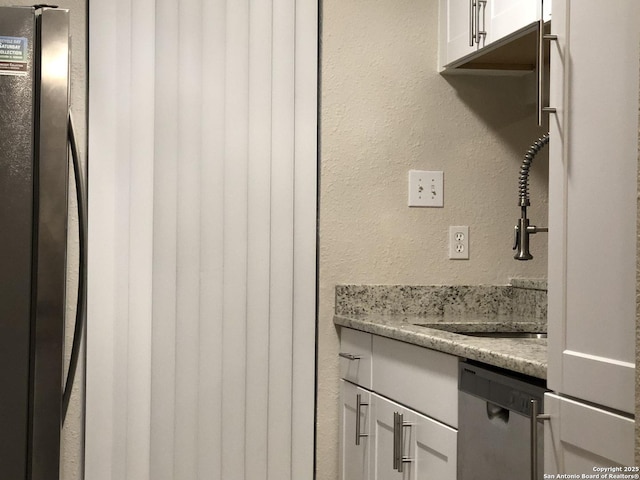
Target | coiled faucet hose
(523,183)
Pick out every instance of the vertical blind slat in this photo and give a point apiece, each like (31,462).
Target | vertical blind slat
(305,182)
(280,381)
(235,240)
(212,239)
(101,284)
(188,272)
(165,247)
(141,238)
(259,223)
(122,240)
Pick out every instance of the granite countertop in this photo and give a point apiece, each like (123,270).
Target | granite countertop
(526,356)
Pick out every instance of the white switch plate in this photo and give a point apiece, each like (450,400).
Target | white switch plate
(426,188)
(459,242)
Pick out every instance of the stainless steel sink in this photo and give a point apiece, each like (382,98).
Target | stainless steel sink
(505,334)
(488,331)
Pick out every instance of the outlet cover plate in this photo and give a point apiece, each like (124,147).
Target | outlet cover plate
(426,188)
(459,242)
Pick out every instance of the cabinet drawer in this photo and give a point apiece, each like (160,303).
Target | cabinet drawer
(424,379)
(355,356)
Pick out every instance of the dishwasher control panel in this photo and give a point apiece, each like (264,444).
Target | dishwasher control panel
(508,392)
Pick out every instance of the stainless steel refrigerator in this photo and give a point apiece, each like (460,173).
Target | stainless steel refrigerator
(34,99)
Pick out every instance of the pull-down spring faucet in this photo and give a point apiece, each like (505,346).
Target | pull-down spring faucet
(523,229)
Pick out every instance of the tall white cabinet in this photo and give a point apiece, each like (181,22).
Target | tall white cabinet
(592,232)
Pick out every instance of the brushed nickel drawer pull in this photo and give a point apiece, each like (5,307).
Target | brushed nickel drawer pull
(350,356)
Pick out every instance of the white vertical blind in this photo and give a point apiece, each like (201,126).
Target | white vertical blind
(202,211)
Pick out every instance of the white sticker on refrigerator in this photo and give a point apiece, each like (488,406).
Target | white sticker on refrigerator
(13,55)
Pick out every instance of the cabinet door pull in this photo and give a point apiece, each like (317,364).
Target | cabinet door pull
(481,33)
(359,406)
(350,356)
(402,458)
(541,38)
(399,458)
(472,6)
(395,440)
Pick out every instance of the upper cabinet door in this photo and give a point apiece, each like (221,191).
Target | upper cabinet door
(592,200)
(505,17)
(457,29)
(470,27)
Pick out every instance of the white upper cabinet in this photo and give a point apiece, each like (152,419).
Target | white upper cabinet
(469,28)
(593,160)
(505,17)
(457,30)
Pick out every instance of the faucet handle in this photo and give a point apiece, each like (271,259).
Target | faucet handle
(523,230)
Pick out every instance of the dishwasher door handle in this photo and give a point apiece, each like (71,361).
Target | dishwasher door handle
(535,416)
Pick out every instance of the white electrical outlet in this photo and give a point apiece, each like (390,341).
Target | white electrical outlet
(459,243)
(426,188)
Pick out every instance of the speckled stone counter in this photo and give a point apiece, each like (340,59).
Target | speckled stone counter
(408,313)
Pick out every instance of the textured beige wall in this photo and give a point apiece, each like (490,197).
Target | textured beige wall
(386,110)
(72,434)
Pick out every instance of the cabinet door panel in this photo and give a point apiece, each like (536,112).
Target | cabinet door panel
(455,18)
(592,237)
(429,446)
(383,438)
(354,459)
(435,449)
(505,17)
(579,437)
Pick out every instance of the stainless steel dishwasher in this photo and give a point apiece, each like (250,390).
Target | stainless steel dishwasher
(495,439)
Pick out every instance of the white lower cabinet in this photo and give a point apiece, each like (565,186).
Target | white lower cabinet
(581,439)
(411,437)
(406,445)
(355,403)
